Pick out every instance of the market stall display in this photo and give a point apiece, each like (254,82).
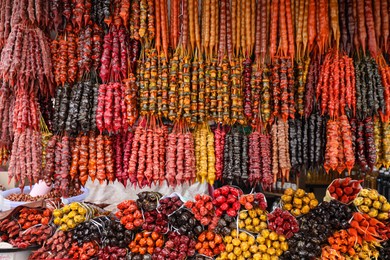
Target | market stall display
(246,96)
(330,228)
(102,74)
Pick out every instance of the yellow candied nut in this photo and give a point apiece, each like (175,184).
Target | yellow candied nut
(266,257)
(248,221)
(287,206)
(286,198)
(241,224)
(284,246)
(57,221)
(243,215)
(72,214)
(296,212)
(71,224)
(66,209)
(383,216)
(253,249)
(373,194)
(268,243)
(311,195)
(229,248)
(276,244)
(306,200)
(364,209)
(373,213)
(358,201)
(251,240)
(297,202)
(252,213)
(79,219)
(259,212)
(273,236)
(237,251)
(377,204)
(227,239)
(236,242)
(305,209)
(263,225)
(271,251)
(57,213)
(364,193)
(262,248)
(289,192)
(367,202)
(223,256)
(386,207)
(282,238)
(382,199)
(260,240)
(82,211)
(246,254)
(313,204)
(64,219)
(244,246)
(256,221)
(64,227)
(249,228)
(265,233)
(243,236)
(300,193)
(74,206)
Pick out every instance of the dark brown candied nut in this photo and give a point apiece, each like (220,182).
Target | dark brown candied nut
(225,225)
(384,250)
(103,230)
(148,200)
(315,228)
(117,235)
(185,222)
